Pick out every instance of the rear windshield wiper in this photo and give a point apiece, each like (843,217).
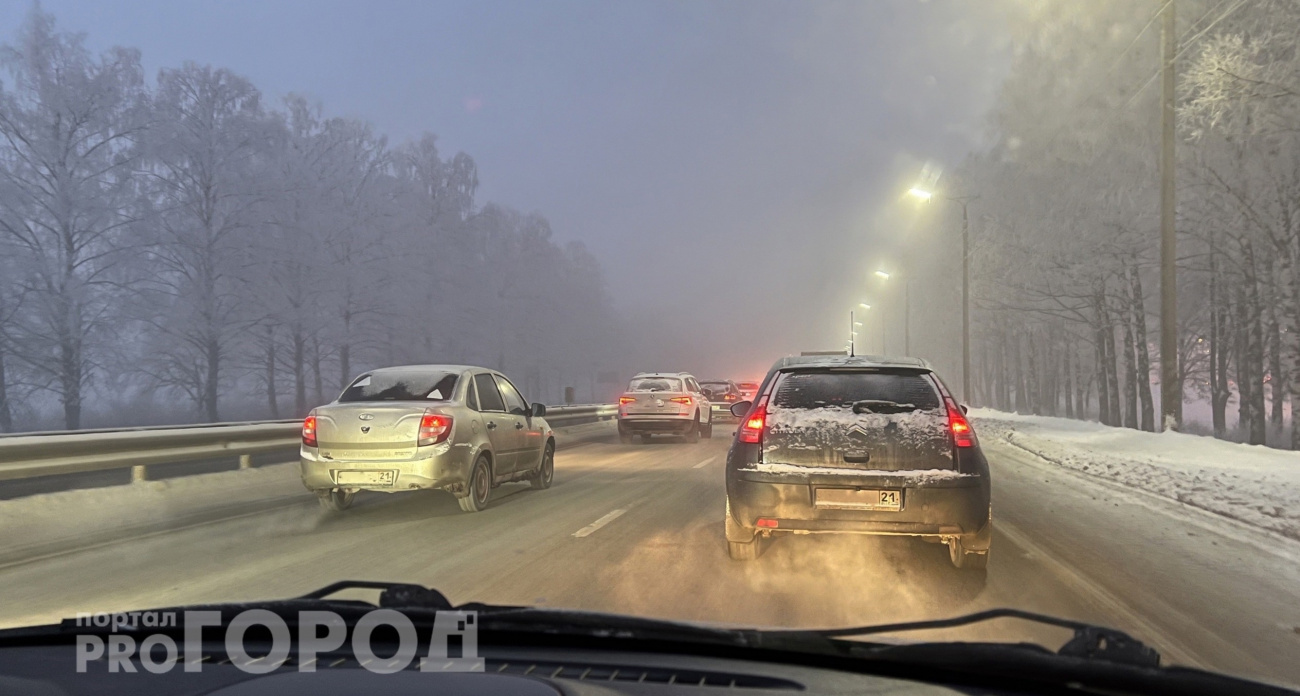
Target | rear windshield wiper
(881,406)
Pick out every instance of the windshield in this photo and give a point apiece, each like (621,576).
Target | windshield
(299,292)
(653,384)
(402,386)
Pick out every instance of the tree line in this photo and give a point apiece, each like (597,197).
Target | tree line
(182,238)
(1066,229)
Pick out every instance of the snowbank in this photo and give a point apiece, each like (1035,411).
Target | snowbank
(1249,483)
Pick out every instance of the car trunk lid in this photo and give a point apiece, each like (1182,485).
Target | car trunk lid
(368,431)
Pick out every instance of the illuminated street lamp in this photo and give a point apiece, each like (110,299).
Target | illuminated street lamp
(925,195)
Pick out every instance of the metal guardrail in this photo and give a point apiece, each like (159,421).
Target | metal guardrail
(29,455)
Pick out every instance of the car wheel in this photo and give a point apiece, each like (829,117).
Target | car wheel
(966,560)
(645,439)
(624,435)
(707,432)
(478,490)
(693,435)
(545,474)
(743,551)
(742,543)
(336,500)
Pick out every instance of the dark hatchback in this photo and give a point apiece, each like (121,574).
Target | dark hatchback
(858,445)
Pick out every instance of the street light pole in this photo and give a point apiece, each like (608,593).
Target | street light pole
(852,337)
(907,314)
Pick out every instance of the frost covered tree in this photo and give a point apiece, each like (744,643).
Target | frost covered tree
(70,124)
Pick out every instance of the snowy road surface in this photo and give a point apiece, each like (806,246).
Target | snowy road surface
(637,529)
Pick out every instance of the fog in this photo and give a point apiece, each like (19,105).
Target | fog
(569,190)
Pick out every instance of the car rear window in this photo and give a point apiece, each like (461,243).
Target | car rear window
(843,389)
(401,386)
(656,384)
(715,386)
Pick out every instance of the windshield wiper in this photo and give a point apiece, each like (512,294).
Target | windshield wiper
(881,406)
(1090,641)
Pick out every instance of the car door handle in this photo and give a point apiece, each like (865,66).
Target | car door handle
(491,425)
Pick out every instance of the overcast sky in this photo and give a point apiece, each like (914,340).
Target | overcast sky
(693,146)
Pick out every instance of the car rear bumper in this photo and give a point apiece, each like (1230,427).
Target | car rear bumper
(941,509)
(443,466)
(656,424)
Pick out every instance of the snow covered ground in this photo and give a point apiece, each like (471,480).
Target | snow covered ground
(1249,483)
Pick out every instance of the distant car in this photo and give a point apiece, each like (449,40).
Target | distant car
(664,403)
(722,393)
(857,445)
(457,428)
(747,390)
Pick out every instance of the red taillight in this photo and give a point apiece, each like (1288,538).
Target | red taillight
(309,431)
(752,430)
(434,428)
(626,400)
(729,397)
(681,399)
(962,434)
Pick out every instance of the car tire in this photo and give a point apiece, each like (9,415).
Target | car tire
(335,500)
(693,435)
(743,551)
(541,480)
(966,560)
(478,490)
(707,432)
(624,435)
(645,439)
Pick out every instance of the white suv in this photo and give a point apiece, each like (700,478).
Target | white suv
(664,403)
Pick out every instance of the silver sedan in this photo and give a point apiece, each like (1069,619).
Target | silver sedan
(457,428)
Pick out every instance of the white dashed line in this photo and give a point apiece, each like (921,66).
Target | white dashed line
(704,463)
(591,528)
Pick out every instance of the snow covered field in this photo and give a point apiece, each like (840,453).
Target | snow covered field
(1249,483)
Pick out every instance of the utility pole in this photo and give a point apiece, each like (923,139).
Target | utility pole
(1171,398)
(852,342)
(907,314)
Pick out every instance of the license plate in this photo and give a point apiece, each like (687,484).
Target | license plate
(858,499)
(365,478)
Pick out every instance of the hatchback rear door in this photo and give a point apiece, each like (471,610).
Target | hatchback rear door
(857,419)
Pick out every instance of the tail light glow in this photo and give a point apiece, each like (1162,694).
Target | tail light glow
(752,430)
(309,431)
(765,523)
(624,400)
(962,434)
(681,399)
(434,428)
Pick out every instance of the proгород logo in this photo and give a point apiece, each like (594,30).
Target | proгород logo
(452,647)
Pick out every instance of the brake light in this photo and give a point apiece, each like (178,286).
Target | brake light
(962,434)
(766,523)
(681,399)
(626,400)
(309,431)
(729,397)
(752,430)
(434,428)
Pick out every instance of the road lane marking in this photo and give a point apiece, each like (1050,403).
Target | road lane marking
(1171,648)
(591,528)
(705,463)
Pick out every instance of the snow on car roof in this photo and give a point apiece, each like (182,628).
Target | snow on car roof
(846,361)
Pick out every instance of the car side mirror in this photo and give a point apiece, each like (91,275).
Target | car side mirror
(740,408)
(965,409)
(538,410)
